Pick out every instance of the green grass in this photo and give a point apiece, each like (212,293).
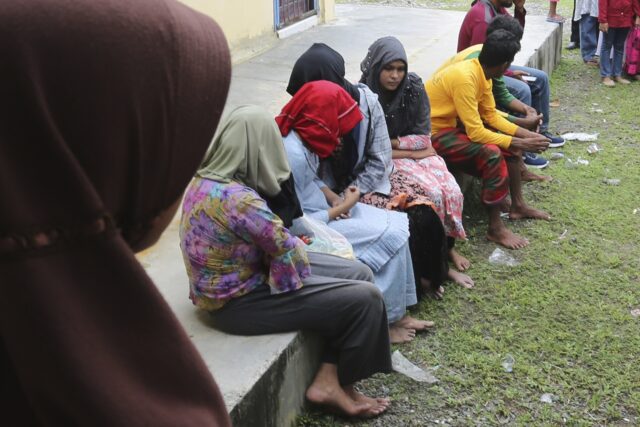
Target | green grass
(564,312)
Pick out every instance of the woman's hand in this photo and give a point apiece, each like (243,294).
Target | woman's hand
(424,153)
(604,27)
(341,206)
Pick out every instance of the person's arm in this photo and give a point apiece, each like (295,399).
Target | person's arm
(519,11)
(603,18)
(464,98)
(340,207)
(489,114)
(502,95)
(256,223)
(636,10)
(377,164)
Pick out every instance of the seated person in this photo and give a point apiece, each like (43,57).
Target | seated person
(461,103)
(312,123)
(528,117)
(535,94)
(254,277)
(366,150)
(363,159)
(406,107)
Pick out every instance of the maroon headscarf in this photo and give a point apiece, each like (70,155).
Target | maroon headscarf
(321,112)
(106,109)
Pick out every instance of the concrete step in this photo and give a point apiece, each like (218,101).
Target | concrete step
(263,378)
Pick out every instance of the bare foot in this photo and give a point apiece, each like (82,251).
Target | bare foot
(378,404)
(411,323)
(528,212)
(400,335)
(507,238)
(327,392)
(458,260)
(530,176)
(461,279)
(438,294)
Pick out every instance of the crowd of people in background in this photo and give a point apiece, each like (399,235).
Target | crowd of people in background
(607,32)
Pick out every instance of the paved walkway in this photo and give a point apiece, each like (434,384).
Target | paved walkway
(238,363)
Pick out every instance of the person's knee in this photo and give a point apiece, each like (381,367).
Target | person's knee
(368,295)
(491,153)
(361,271)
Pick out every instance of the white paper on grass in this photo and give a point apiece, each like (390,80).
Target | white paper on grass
(579,136)
(403,366)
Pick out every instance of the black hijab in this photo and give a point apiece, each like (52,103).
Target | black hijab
(320,62)
(407,108)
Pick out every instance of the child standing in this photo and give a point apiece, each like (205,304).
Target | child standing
(615,18)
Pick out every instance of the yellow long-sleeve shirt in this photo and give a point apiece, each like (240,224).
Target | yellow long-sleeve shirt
(461,91)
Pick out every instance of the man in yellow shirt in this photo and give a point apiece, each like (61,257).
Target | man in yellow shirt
(472,137)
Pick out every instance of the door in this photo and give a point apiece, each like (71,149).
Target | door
(290,11)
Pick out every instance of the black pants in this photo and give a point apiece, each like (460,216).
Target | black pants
(338,302)
(429,247)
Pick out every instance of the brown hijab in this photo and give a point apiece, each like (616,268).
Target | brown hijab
(106,109)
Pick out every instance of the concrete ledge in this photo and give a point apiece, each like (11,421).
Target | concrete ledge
(298,27)
(263,378)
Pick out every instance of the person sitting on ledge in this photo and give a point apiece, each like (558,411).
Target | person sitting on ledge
(312,123)
(461,103)
(533,93)
(255,277)
(515,110)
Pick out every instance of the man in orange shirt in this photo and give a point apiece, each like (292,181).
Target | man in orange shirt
(472,137)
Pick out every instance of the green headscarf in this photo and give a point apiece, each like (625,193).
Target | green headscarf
(247,148)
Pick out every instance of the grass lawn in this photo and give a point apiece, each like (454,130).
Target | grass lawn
(564,313)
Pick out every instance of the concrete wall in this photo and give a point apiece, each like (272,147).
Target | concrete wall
(249,24)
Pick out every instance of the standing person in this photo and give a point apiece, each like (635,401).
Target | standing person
(587,14)
(616,18)
(553,15)
(312,123)
(462,106)
(255,277)
(574,38)
(407,114)
(535,94)
(106,108)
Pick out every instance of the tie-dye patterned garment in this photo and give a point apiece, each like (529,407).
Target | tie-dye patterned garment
(436,183)
(232,243)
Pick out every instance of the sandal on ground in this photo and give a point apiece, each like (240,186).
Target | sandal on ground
(608,82)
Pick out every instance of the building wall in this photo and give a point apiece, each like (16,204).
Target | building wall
(249,24)
(241,20)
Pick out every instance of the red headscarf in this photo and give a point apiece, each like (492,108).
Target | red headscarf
(321,112)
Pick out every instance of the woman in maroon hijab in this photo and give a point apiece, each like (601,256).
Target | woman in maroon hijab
(106,109)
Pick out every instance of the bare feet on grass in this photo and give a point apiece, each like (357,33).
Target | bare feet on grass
(505,237)
(327,392)
(521,212)
(437,294)
(401,335)
(411,323)
(377,404)
(530,176)
(460,278)
(460,262)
